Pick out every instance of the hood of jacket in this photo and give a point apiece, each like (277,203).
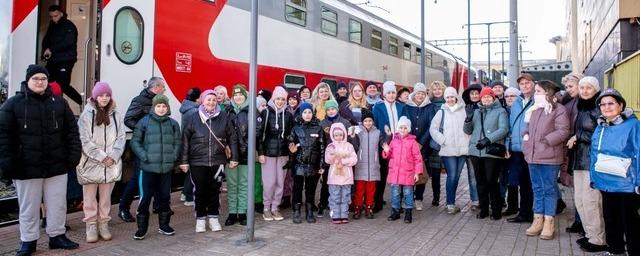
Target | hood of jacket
(455,107)
(411,101)
(338,127)
(495,104)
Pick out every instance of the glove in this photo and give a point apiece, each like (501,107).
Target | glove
(483,143)
(469,110)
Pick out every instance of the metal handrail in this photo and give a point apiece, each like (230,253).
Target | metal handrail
(85,70)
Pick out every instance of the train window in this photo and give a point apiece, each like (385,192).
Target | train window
(329,23)
(296,12)
(294,81)
(407,51)
(418,55)
(128,41)
(376,40)
(355,31)
(393,46)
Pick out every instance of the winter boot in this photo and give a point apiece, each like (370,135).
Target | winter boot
(512,201)
(201,225)
(536,226)
(549,228)
(27,248)
(357,212)
(395,214)
(408,217)
(311,218)
(143,224)
(62,242)
(231,220)
(92,232)
(103,230)
(368,212)
(297,218)
(286,202)
(163,222)
(242,219)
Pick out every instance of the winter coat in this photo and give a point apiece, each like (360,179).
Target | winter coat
(310,139)
(344,151)
(156,142)
(381,117)
(61,40)
(347,113)
(571,106)
(186,108)
(326,126)
(496,125)
(98,143)
(405,160)
(516,122)
(620,139)
(240,122)
(139,107)
(38,136)
(452,140)
(368,166)
(548,134)
(200,147)
(420,116)
(277,128)
(586,122)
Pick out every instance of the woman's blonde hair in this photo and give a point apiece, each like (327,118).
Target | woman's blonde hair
(315,97)
(435,84)
(362,102)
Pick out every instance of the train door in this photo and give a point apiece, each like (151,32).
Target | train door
(126,47)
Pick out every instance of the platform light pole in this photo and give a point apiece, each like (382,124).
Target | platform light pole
(468,42)
(253,84)
(423,51)
(512,74)
(488,24)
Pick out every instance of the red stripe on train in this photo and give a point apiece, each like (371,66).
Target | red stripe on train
(21,8)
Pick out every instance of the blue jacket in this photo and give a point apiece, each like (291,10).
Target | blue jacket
(381,117)
(621,140)
(516,123)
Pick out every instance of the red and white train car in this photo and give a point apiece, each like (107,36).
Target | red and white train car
(206,43)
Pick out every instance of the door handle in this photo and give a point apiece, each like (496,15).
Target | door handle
(108,50)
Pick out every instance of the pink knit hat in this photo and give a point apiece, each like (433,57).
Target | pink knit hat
(100,89)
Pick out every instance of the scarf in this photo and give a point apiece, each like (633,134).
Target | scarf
(237,108)
(209,114)
(539,101)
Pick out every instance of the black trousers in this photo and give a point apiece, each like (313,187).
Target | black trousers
(60,72)
(622,221)
(306,183)
(382,183)
(207,190)
(324,188)
(518,164)
(157,186)
(487,172)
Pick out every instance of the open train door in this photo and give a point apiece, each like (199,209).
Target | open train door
(126,55)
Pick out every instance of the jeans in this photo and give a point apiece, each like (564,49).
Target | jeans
(395,196)
(545,190)
(453,165)
(473,184)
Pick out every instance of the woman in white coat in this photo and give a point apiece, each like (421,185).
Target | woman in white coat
(102,135)
(454,143)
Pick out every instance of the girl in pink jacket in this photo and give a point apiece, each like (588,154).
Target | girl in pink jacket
(405,164)
(341,156)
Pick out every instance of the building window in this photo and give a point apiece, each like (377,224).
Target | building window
(129,34)
(355,31)
(376,40)
(393,46)
(407,51)
(296,12)
(329,22)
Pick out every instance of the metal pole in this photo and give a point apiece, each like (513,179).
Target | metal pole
(514,71)
(520,51)
(502,70)
(422,49)
(489,51)
(469,42)
(253,82)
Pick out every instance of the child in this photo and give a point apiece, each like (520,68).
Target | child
(307,147)
(367,171)
(405,164)
(156,141)
(341,156)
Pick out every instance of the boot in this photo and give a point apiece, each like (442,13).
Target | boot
(231,220)
(163,222)
(286,202)
(357,212)
(62,242)
(512,201)
(297,218)
(368,212)
(311,218)
(536,226)
(549,228)
(408,217)
(103,230)
(560,206)
(92,232)
(142,220)
(395,214)
(27,248)
(259,208)
(242,218)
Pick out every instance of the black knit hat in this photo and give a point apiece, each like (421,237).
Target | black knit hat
(366,113)
(497,82)
(612,93)
(266,94)
(193,94)
(342,85)
(35,69)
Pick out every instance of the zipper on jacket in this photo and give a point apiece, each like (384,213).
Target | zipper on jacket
(368,158)
(105,151)
(55,122)
(161,148)
(209,147)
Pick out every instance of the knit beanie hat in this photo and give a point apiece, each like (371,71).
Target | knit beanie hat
(100,89)
(239,88)
(487,91)
(496,83)
(388,86)
(35,69)
(160,99)
(590,80)
(404,121)
(366,113)
(450,91)
(370,83)
(293,94)
(304,106)
(279,92)
(420,87)
(193,94)
(204,94)
(330,104)
(342,85)
(266,94)
(512,91)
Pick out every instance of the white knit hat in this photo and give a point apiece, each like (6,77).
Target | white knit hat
(591,81)
(404,121)
(512,91)
(388,86)
(420,87)
(450,91)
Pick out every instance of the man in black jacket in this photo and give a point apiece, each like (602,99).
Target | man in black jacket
(39,143)
(59,49)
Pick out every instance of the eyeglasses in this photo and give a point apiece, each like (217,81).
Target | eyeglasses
(39,79)
(607,104)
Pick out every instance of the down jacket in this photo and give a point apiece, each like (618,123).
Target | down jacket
(200,148)
(311,142)
(368,166)
(452,140)
(98,143)
(156,142)
(420,116)
(405,160)
(61,38)
(547,135)
(345,153)
(277,127)
(38,136)
(240,122)
(496,127)
(586,122)
(139,107)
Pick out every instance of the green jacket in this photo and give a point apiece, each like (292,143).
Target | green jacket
(496,127)
(156,141)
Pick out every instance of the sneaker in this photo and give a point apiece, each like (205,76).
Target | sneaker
(452,209)
(189,203)
(418,205)
(214,224)
(92,232)
(103,230)
(183,198)
(475,206)
(266,215)
(201,225)
(336,221)
(125,215)
(277,216)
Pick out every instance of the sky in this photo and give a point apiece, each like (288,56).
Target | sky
(539,20)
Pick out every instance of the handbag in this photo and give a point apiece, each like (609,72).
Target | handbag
(494,149)
(432,143)
(227,150)
(612,165)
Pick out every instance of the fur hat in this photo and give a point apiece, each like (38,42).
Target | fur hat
(591,81)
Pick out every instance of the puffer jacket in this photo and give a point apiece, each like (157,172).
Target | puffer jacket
(586,122)
(516,123)
(240,122)
(496,127)
(620,138)
(200,148)
(98,143)
(38,136)
(156,142)
(420,116)
(139,107)
(405,160)
(345,153)
(186,108)
(61,39)
(547,135)
(277,128)
(311,142)
(368,166)
(452,140)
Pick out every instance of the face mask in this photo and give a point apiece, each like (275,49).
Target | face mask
(540,100)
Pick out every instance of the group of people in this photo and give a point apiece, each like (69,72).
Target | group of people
(515,144)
